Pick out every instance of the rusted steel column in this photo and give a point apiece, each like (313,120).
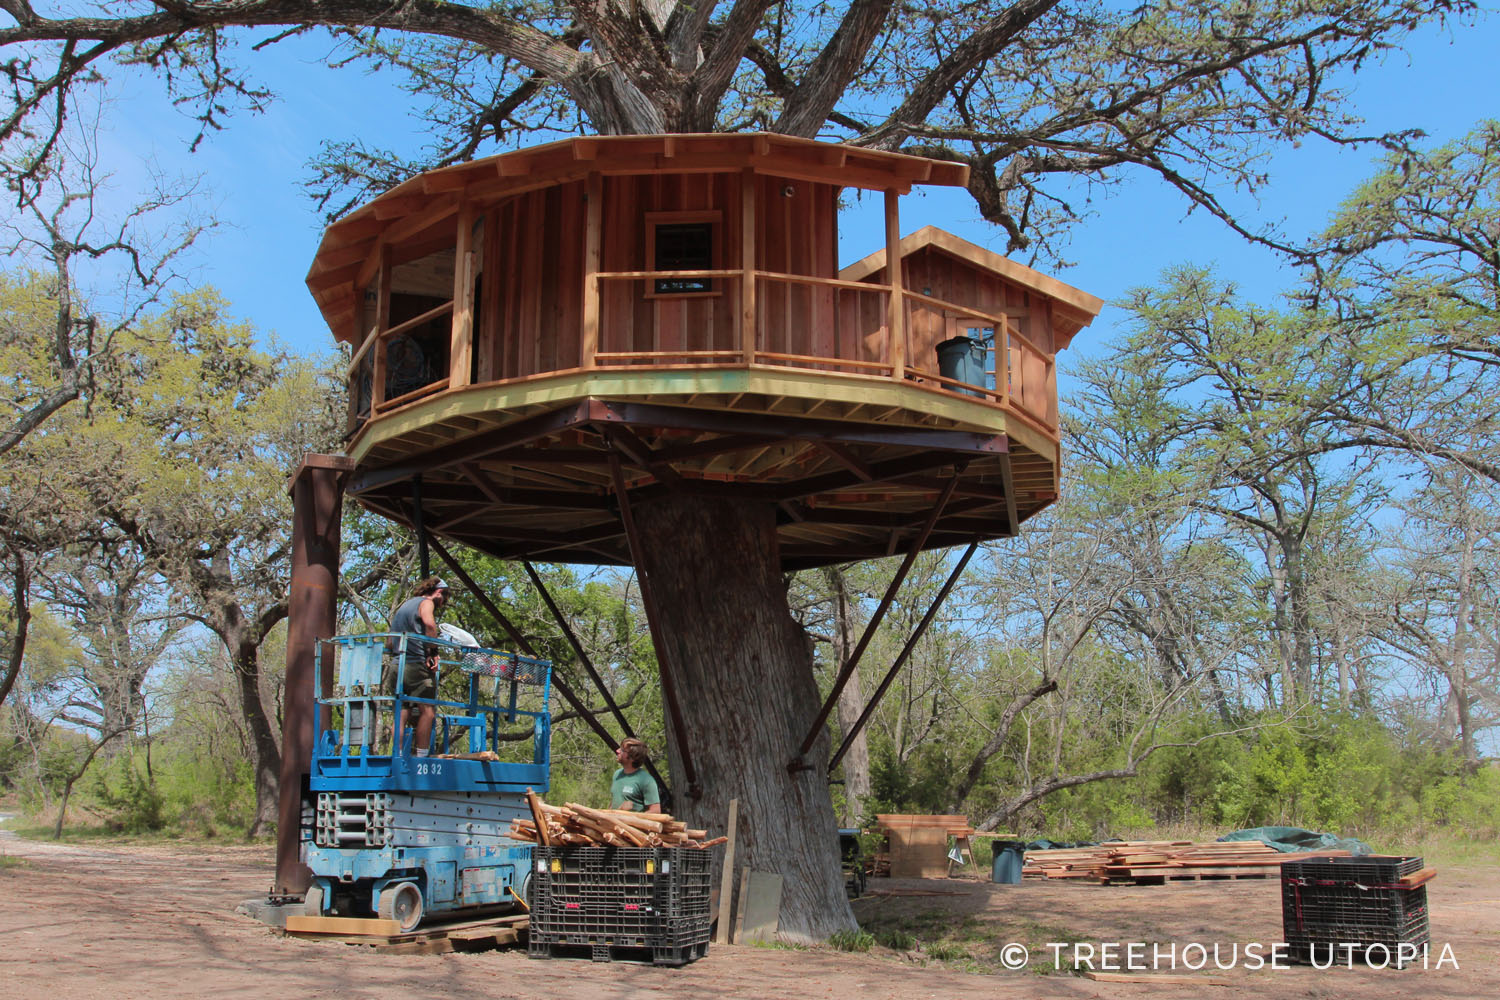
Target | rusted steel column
(317,489)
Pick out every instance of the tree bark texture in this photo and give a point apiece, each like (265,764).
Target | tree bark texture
(246,657)
(743,674)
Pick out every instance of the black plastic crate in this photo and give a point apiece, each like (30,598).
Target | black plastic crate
(1371,869)
(1330,903)
(611,898)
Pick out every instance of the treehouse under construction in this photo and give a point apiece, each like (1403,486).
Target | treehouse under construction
(545,340)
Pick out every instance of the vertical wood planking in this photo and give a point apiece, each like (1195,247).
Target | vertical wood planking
(512,336)
(461,346)
(570,276)
(488,334)
(535,231)
(825,228)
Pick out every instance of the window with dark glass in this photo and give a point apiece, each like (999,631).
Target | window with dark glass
(683,246)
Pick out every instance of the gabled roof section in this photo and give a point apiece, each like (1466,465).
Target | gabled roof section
(1073,308)
(426,204)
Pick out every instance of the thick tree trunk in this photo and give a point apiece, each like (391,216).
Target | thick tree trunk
(267,755)
(742,670)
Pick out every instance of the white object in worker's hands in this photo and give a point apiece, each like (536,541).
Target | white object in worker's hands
(456,635)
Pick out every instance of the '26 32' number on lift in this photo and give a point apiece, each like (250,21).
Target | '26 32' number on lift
(432,768)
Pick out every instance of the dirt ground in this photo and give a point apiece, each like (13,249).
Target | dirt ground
(160,922)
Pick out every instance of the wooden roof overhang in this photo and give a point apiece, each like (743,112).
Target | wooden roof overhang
(425,208)
(1072,308)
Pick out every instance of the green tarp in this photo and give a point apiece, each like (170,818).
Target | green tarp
(1289,839)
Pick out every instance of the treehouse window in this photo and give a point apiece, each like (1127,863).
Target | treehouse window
(683,241)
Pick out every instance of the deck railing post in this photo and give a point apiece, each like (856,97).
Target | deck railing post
(895,321)
(461,349)
(747,320)
(588,345)
(382,324)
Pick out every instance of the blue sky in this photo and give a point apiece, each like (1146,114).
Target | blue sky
(253,173)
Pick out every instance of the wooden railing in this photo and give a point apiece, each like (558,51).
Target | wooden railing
(371,361)
(766,318)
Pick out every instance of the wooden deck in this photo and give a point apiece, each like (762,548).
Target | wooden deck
(519,325)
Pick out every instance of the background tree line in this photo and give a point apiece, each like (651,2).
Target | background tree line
(1270,591)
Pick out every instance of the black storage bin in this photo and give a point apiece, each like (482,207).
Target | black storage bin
(962,359)
(614,900)
(1328,904)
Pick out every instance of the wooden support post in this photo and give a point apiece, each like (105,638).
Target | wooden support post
(317,490)
(747,322)
(864,640)
(1008,481)
(592,242)
(461,350)
(911,644)
(726,882)
(896,308)
(382,324)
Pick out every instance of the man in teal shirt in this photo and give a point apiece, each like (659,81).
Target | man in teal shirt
(633,789)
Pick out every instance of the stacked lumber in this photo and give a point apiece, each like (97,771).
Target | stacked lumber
(574,825)
(1155,862)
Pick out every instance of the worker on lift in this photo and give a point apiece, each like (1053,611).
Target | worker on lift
(633,788)
(418,669)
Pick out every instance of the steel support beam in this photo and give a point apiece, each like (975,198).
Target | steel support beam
(797,763)
(317,490)
(424,561)
(524,643)
(911,644)
(588,664)
(653,620)
(583,657)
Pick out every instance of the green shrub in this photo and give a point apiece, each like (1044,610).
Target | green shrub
(132,800)
(896,939)
(851,940)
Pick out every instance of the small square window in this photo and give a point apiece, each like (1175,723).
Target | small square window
(682,241)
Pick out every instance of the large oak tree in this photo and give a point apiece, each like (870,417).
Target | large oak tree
(1042,98)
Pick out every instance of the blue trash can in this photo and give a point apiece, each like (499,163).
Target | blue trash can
(962,359)
(1007,865)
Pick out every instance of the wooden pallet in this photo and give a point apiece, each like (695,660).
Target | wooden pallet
(384,936)
(1160,876)
(1161,862)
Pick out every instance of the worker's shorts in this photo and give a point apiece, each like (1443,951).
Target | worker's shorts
(416,679)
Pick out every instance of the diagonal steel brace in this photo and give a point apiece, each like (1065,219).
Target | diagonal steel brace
(798,763)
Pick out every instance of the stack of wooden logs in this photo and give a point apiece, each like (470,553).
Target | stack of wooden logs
(1154,862)
(573,825)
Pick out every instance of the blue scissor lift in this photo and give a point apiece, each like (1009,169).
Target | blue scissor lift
(403,836)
